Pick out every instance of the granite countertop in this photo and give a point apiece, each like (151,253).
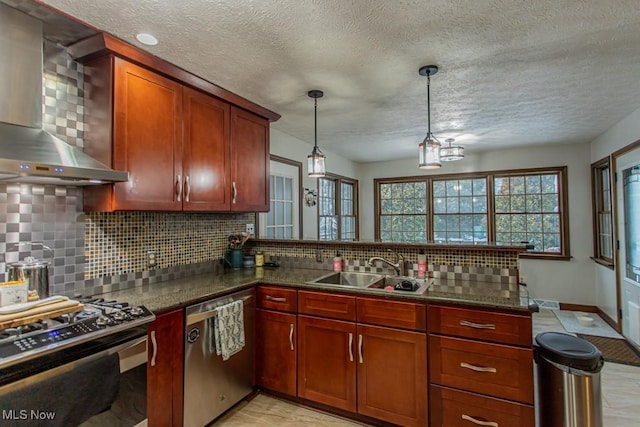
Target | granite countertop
(178,293)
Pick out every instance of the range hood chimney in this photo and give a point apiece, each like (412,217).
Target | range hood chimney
(28,154)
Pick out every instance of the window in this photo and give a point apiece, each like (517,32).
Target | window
(460,210)
(508,207)
(528,209)
(337,208)
(283,219)
(403,211)
(602,218)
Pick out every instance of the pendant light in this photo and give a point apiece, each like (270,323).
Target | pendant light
(430,146)
(315,160)
(451,153)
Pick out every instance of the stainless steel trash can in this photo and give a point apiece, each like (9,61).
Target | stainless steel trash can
(568,389)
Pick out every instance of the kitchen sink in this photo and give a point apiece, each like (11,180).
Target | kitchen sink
(349,279)
(372,281)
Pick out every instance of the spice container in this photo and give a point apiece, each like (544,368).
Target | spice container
(259,259)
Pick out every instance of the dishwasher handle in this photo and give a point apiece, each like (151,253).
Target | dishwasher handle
(204,315)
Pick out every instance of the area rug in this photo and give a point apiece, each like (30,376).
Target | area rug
(599,328)
(615,350)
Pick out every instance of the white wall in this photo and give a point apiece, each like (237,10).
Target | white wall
(287,146)
(620,135)
(565,281)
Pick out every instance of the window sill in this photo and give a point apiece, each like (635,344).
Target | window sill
(603,263)
(548,257)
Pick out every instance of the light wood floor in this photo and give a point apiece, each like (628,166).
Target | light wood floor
(620,397)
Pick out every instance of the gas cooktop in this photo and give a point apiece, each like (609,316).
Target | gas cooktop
(99,319)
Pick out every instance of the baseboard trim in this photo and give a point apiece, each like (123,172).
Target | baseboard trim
(579,307)
(610,321)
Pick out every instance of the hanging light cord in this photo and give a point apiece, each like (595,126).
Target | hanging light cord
(428,106)
(315,122)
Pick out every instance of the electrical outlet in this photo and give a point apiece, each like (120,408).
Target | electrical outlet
(151,258)
(250,229)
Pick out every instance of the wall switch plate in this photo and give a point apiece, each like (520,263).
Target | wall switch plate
(151,258)
(250,229)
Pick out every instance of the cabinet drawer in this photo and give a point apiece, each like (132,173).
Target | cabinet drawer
(454,408)
(276,298)
(492,369)
(397,314)
(482,325)
(323,304)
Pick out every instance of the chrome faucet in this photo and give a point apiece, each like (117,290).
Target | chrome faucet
(399,265)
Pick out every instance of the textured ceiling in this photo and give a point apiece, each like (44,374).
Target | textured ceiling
(512,72)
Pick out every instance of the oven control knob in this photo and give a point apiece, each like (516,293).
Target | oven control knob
(119,316)
(136,311)
(103,321)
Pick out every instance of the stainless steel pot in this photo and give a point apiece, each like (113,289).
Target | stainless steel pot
(34,270)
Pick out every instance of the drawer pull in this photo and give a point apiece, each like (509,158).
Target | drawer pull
(478,422)
(276,299)
(477,325)
(350,347)
(478,368)
(291,335)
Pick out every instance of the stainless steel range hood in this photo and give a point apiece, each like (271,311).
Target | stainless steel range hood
(27,153)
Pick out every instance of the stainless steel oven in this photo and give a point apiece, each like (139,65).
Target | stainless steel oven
(88,369)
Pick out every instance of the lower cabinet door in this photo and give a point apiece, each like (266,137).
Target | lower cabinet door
(164,370)
(392,375)
(327,362)
(276,349)
(455,408)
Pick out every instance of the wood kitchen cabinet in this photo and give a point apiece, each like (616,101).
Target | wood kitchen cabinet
(347,361)
(480,367)
(326,349)
(183,149)
(164,370)
(276,339)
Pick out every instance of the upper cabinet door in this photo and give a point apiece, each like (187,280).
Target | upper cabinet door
(206,153)
(250,162)
(147,139)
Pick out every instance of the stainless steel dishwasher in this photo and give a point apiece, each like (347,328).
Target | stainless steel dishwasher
(211,385)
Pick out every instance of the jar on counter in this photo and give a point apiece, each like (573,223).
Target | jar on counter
(259,259)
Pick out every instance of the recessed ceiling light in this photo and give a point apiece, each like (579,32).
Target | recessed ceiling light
(147,39)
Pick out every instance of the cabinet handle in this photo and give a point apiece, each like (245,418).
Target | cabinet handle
(477,325)
(187,184)
(179,187)
(478,422)
(350,347)
(235,192)
(360,348)
(155,348)
(291,335)
(276,299)
(478,368)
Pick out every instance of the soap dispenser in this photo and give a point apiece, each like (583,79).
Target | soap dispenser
(337,263)
(422,264)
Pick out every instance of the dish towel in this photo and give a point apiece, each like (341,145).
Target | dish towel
(229,329)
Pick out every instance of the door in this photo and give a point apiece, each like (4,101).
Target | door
(628,222)
(276,347)
(206,153)
(147,139)
(164,370)
(326,362)
(392,375)
(283,219)
(250,162)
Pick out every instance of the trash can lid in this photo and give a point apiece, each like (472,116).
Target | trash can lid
(570,351)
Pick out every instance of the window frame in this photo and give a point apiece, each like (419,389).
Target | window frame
(561,171)
(597,202)
(337,184)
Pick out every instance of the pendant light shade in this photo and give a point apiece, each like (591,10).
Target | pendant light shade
(315,160)
(430,146)
(451,153)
